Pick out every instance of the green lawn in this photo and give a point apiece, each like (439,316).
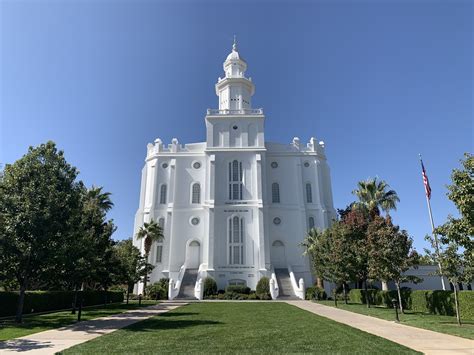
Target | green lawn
(38,323)
(442,324)
(233,327)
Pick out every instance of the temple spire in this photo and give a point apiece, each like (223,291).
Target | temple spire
(234,46)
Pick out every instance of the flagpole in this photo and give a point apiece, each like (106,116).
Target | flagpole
(434,235)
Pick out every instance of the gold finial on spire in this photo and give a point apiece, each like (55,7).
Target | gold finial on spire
(234,46)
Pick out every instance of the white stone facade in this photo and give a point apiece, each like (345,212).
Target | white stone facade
(234,206)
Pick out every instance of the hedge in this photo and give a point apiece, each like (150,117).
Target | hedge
(424,301)
(42,301)
(315,293)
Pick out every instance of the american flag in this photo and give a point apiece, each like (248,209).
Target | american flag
(425,181)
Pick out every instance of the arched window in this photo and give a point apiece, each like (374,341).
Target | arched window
(311,222)
(161,223)
(309,193)
(163,192)
(196,193)
(275,193)
(236,240)
(159,252)
(235,180)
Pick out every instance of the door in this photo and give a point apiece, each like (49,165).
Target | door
(193,255)
(277,256)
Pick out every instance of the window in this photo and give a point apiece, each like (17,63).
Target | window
(306,164)
(235,180)
(237,282)
(275,193)
(274,164)
(161,223)
(163,191)
(277,221)
(195,221)
(311,222)
(196,165)
(196,193)
(159,252)
(309,193)
(236,240)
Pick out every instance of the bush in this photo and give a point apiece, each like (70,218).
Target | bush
(210,287)
(164,282)
(156,292)
(466,304)
(424,301)
(315,293)
(42,301)
(263,289)
(237,289)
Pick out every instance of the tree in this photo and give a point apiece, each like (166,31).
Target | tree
(390,253)
(461,192)
(457,267)
(373,195)
(331,254)
(132,263)
(456,247)
(38,197)
(150,232)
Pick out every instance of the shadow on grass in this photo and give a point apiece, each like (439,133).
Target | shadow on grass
(20,345)
(154,324)
(168,315)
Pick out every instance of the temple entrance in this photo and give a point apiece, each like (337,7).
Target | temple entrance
(277,255)
(193,255)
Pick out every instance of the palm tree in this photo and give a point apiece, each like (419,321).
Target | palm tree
(101,199)
(309,244)
(151,232)
(373,195)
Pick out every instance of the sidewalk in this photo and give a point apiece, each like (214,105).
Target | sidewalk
(425,341)
(52,341)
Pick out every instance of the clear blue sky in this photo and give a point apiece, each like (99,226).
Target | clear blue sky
(378,81)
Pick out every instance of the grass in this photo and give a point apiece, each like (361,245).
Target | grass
(234,327)
(38,323)
(437,323)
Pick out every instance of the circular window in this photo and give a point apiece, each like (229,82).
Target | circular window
(276,220)
(195,221)
(306,164)
(164,165)
(274,164)
(196,165)
(235,127)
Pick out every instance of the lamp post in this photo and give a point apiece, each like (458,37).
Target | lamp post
(395,307)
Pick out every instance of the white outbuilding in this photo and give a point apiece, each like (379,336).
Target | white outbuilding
(234,207)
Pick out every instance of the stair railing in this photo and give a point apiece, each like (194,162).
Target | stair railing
(199,288)
(174,286)
(274,290)
(298,288)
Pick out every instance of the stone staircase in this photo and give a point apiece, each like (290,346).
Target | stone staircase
(285,290)
(186,291)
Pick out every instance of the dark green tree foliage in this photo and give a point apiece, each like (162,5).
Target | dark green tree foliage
(38,200)
(263,289)
(132,264)
(210,287)
(390,253)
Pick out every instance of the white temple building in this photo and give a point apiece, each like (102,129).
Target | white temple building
(234,207)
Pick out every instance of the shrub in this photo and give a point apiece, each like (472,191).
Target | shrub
(466,304)
(253,296)
(42,301)
(315,293)
(164,282)
(156,292)
(263,289)
(237,289)
(210,287)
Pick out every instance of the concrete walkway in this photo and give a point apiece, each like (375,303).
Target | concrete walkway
(425,341)
(52,341)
